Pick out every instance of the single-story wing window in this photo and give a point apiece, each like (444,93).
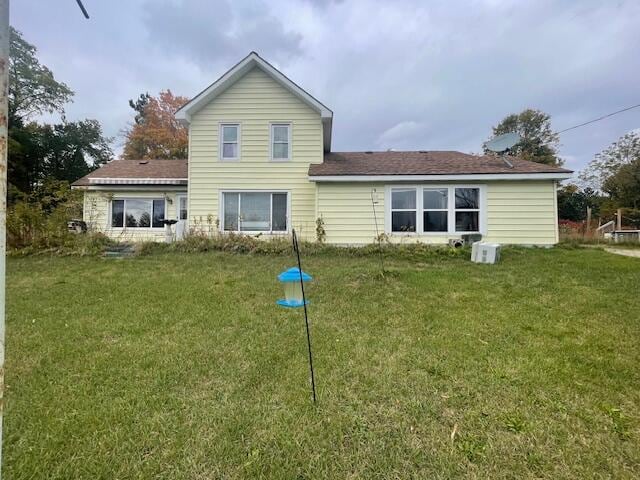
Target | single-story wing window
(467,211)
(158,213)
(117,213)
(435,212)
(403,210)
(138,213)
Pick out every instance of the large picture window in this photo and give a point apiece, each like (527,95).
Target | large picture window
(254,211)
(434,210)
(137,213)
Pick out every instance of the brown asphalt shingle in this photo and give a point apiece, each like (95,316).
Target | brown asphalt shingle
(422,163)
(141,169)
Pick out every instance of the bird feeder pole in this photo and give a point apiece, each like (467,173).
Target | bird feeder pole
(293,280)
(306,318)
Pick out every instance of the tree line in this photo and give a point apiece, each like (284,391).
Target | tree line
(44,157)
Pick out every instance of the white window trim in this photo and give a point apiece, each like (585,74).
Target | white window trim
(414,210)
(124,223)
(221,141)
(271,141)
(448,209)
(482,211)
(254,232)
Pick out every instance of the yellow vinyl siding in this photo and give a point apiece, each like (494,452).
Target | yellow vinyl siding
(517,212)
(347,212)
(255,102)
(522,212)
(97,209)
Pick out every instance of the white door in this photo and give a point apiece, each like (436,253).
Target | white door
(181,226)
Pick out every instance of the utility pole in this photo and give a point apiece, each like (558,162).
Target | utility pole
(5,42)
(4,135)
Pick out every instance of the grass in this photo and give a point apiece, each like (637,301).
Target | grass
(181,366)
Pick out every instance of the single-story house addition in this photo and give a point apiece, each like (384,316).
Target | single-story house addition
(260,162)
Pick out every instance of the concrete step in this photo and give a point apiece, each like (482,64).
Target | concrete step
(120,250)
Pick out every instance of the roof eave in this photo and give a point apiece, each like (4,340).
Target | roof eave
(441,177)
(235,73)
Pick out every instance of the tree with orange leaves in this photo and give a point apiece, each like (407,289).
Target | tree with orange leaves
(155,132)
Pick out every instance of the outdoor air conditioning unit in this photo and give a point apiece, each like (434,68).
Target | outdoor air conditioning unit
(484,252)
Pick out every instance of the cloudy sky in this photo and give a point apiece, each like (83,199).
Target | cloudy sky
(397,74)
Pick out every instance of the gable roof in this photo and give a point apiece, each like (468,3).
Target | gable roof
(253,60)
(137,172)
(438,164)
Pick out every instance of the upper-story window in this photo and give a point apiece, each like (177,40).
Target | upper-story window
(280,141)
(230,141)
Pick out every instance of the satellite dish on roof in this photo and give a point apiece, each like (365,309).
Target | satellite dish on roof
(502,143)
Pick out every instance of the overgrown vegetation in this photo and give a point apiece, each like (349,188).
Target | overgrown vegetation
(181,366)
(234,243)
(37,223)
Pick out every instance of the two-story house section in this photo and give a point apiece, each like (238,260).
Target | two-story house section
(252,136)
(260,162)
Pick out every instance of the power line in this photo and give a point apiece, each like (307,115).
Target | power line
(599,118)
(84,10)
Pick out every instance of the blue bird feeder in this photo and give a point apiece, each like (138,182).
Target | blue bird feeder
(293,288)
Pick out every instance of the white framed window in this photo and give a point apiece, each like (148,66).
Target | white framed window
(280,142)
(229,141)
(403,210)
(255,211)
(467,209)
(138,213)
(434,209)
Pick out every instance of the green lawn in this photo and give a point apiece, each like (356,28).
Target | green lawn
(181,366)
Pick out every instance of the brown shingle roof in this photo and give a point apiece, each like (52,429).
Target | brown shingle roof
(137,171)
(422,163)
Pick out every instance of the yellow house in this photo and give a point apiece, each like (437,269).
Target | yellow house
(260,163)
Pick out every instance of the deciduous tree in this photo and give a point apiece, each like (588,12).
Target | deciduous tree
(573,202)
(623,186)
(33,89)
(155,132)
(539,143)
(606,163)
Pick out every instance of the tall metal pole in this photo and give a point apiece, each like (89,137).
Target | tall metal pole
(4,133)
(375,219)
(306,319)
